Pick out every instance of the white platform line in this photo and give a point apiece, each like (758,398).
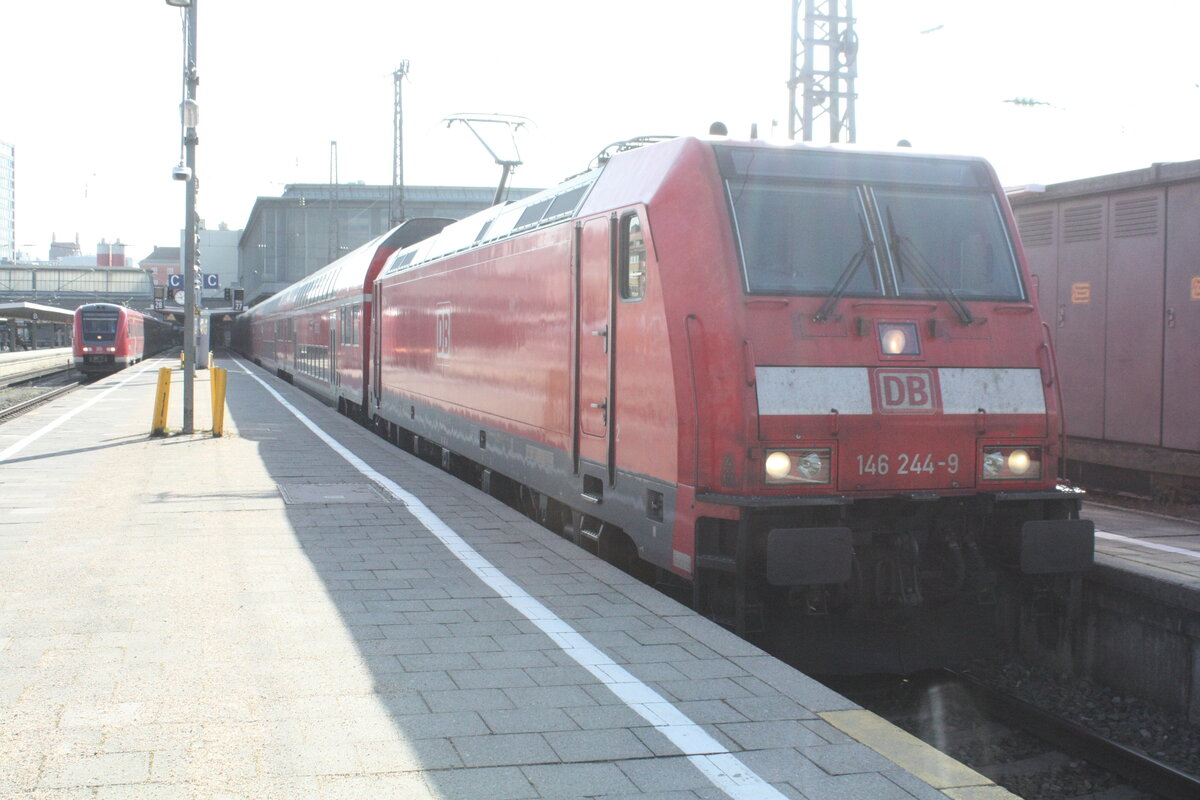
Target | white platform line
(713,759)
(21,444)
(1166,548)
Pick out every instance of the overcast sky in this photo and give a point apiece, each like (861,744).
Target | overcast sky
(89,92)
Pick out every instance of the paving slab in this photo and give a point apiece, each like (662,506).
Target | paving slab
(298,609)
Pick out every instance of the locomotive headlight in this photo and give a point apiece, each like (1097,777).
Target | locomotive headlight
(894,341)
(778,465)
(899,339)
(1012,463)
(811,465)
(1018,462)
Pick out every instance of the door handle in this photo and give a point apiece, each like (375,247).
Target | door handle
(602,407)
(602,332)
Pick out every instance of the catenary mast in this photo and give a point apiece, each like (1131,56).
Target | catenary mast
(396,200)
(824,65)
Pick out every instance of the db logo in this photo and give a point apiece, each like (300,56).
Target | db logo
(906,391)
(442,312)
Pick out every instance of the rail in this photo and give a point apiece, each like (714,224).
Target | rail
(20,408)
(1144,771)
(10,381)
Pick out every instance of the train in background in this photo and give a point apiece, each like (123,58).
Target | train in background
(1117,259)
(811,383)
(108,337)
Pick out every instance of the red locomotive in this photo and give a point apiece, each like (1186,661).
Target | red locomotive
(108,337)
(790,375)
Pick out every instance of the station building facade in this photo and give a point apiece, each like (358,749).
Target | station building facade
(294,235)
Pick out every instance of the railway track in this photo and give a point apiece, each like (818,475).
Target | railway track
(36,376)
(1137,768)
(1034,753)
(13,404)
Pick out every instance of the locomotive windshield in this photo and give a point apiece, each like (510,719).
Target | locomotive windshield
(819,223)
(959,235)
(99,327)
(802,239)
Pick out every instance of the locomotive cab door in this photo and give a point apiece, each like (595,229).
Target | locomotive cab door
(595,339)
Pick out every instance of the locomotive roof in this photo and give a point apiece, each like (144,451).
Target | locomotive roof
(499,222)
(550,206)
(650,163)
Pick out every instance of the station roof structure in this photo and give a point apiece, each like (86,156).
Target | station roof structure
(36,311)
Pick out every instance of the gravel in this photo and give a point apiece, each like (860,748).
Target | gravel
(1123,718)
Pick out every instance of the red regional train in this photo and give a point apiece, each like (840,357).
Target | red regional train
(314,333)
(107,337)
(798,377)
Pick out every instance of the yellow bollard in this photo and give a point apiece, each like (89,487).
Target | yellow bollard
(162,401)
(217,377)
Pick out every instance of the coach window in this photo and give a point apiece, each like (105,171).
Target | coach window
(349,317)
(633,258)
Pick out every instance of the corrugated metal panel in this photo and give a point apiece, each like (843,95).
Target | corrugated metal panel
(1080,315)
(1134,334)
(1129,361)
(1042,255)
(1181,376)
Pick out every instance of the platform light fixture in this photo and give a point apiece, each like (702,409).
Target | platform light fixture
(189,111)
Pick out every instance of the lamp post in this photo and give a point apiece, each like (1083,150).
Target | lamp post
(187,172)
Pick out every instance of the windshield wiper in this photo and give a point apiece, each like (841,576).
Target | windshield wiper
(848,273)
(911,258)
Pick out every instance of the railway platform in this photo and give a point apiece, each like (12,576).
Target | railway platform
(1148,544)
(22,363)
(300,610)
(1140,628)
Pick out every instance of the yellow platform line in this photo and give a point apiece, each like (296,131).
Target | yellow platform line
(930,765)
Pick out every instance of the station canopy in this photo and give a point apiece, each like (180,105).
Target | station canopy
(36,312)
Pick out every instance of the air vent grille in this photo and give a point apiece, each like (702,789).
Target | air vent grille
(1083,223)
(1136,216)
(1037,228)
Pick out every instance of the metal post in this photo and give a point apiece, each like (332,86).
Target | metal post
(396,211)
(824,65)
(190,140)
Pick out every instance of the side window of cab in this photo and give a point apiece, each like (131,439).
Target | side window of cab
(633,259)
